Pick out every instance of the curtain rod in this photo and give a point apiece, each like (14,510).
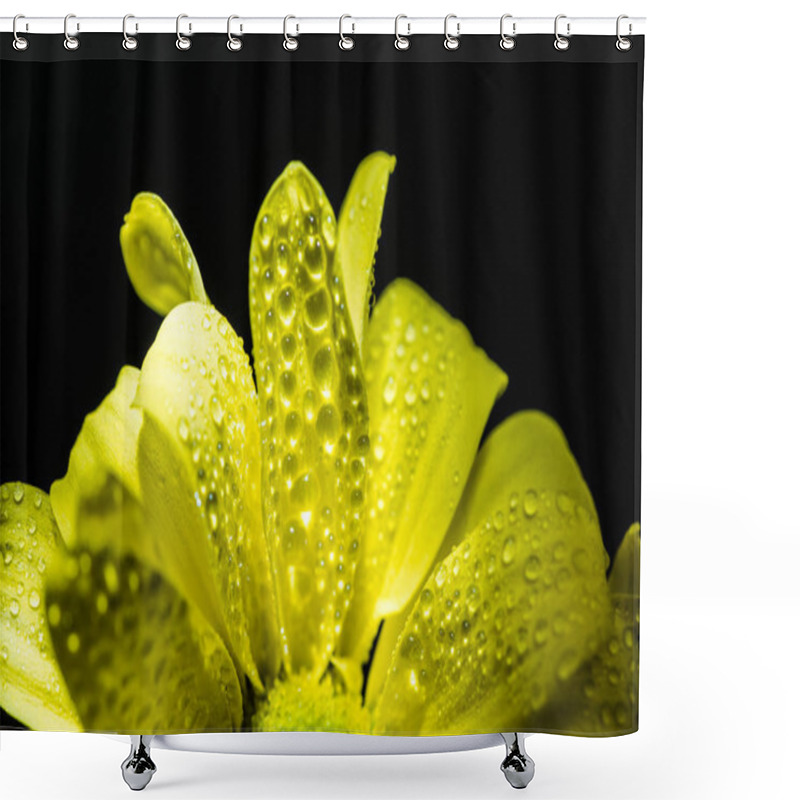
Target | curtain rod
(294,25)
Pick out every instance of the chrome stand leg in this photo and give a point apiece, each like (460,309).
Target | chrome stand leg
(517,766)
(138,768)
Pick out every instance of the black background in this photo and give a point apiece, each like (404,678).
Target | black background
(515,203)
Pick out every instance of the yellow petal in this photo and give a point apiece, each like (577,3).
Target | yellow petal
(359,230)
(32,687)
(313,414)
(102,463)
(136,656)
(159,260)
(430,393)
(602,697)
(200,475)
(519,604)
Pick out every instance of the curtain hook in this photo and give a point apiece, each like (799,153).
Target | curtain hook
(20,42)
(182,42)
(507,42)
(234,43)
(561,42)
(346,42)
(401,42)
(623,44)
(289,42)
(129,42)
(71,42)
(452,42)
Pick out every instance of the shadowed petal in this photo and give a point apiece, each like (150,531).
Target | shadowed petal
(159,260)
(602,697)
(313,415)
(430,393)
(359,230)
(517,606)
(102,462)
(32,687)
(137,657)
(200,476)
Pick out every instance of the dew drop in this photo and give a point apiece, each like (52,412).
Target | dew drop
(328,424)
(389,390)
(305,491)
(509,550)
(315,263)
(292,425)
(14,607)
(318,309)
(324,368)
(37,501)
(286,305)
(627,638)
(34,600)
(19,495)
(183,429)
(288,383)
(288,347)
(8,557)
(533,569)
(411,394)
(565,504)
(217,412)
(530,504)
(206,323)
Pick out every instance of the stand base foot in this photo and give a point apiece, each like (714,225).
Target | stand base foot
(517,766)
(138,768)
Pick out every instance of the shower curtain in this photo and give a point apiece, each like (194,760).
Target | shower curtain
(320,385)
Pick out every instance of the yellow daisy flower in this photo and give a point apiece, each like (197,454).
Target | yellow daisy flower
(313,541)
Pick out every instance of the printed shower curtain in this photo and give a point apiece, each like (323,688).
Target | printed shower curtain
(261,473)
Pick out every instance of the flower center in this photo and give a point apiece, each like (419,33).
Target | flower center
(301,703)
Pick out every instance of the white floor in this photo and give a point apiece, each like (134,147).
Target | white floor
(719,699)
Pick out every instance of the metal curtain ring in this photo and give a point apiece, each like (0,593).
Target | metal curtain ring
(289,42)
(623,44)
(20,42)
(129,42)
(182,42)
(70,42)
(346,42)
(561,42)
(452,42)
(507,42)
(401,42)
(234,43)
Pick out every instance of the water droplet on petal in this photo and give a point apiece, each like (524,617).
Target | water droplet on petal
(318,309)
(389,390)
(509,550)
(530,504)
(217,412)
(183,429)
(533,569)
